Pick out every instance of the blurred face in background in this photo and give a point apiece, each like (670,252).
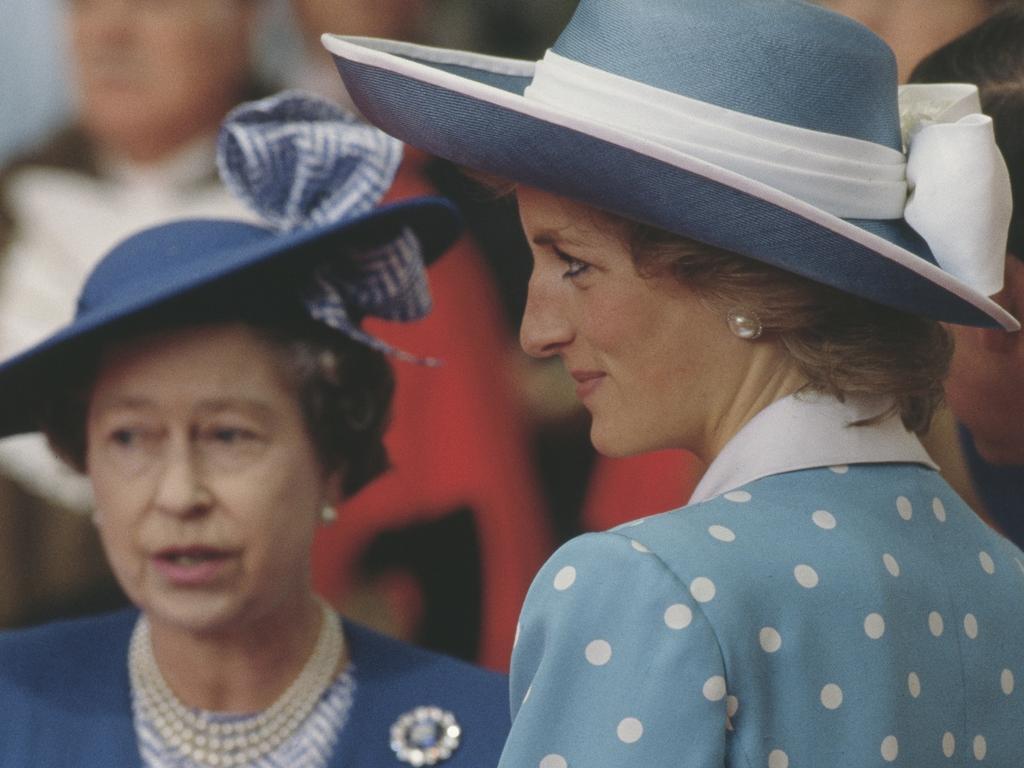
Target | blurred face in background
(396,19)
(914,28)
(153,75)
(985,388)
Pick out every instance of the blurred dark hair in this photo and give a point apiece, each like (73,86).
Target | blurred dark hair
(344,388)
(992,57)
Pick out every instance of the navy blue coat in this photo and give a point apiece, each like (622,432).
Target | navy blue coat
(65,698)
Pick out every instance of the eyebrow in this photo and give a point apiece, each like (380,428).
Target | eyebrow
(552,237)
(217,405)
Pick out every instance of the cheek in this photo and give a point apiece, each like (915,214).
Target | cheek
(277,504)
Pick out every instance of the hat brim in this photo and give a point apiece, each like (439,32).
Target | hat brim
(434,221)
(469,108)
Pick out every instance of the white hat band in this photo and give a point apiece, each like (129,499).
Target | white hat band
(961,213)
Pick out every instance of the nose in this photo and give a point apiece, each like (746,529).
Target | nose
(181,490)
(545,330)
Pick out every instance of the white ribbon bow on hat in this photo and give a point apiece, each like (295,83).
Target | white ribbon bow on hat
(955,171)
(952,187)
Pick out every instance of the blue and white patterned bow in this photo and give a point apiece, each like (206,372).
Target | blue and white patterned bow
(302,162)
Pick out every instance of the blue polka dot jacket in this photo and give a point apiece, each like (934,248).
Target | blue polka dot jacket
(827,601)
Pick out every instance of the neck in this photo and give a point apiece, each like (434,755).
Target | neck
(770,376)
(240,669)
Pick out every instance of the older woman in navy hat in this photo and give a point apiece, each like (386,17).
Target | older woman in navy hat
(217,389)
(741,250)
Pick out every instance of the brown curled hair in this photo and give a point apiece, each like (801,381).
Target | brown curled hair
(842,344)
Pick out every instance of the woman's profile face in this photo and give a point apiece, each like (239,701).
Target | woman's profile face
(651,362)
(207,483)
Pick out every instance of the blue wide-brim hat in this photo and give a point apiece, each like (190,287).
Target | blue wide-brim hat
(317,176)
(769,129)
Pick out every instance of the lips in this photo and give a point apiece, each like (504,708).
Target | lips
(195,565)
(587,382)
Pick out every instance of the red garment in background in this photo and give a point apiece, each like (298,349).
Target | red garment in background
(455,442)
(626,489)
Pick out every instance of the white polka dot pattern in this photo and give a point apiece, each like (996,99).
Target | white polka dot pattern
(891,565)
(874,626)
(722,533)
(831,696)
(914,684)
(980,747)
(714,688)
(987,564)
(565,578)
(770,639)
(824,519)
(816,591)
(948,744)
(598,652)
(629,730)
(806,576)
(702,589)
(890,748)
(678,616)
(732,706)
(904,507)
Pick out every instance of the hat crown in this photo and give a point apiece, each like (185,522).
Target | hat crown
(782,60)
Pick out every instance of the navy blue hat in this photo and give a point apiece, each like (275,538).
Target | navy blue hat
(770,129)
(316,175)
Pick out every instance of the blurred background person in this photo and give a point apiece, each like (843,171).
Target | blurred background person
(985,390)
(152,82)
(914,28)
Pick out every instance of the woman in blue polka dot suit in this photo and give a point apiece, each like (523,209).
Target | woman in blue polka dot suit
(744,240)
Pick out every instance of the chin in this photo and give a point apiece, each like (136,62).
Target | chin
(617,444)
(196,614)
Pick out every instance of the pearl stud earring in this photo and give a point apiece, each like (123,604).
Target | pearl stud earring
(328,514)
(745,324)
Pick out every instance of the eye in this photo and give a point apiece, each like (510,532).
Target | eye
(230,436)
(573,267)
(125,437)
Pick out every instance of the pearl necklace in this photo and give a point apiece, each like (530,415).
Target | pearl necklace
(195,736)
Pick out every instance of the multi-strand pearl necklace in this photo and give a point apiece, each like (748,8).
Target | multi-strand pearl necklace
(194,735)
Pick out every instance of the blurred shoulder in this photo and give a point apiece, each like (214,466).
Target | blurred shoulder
(402,670)
(68,642)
